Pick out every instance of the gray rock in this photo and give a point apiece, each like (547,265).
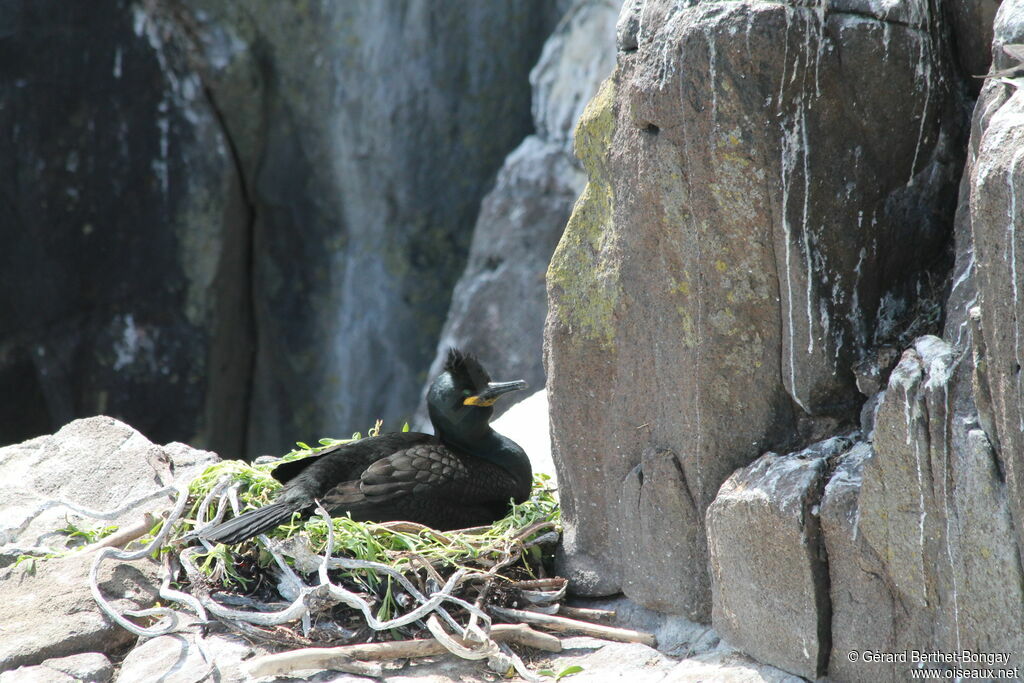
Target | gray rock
(369,134)
(972,27)
(113,307)
(603,661)
(94,465)
(996,179)
(769,573)
(216,177)
(863,607)
(726,666)
(48,610)
(90,667)
(918,529)
(498,305)
(654,491)
(97,463)
(176,658)
(709,295)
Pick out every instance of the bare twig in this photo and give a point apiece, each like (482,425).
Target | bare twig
(585,613)
(126,535)
(330,657)
(556,623)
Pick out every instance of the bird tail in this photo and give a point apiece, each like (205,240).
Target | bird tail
(252,523)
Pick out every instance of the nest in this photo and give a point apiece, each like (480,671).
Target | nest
(370,591)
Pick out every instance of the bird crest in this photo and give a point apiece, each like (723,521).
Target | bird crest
(465,369)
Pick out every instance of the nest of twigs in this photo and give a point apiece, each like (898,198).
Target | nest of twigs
(379,591)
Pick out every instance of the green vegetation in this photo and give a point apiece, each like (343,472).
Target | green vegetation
(411,549)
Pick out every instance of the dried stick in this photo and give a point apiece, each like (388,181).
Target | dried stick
(585,613)
(126,535)
(332,657)
(556,623)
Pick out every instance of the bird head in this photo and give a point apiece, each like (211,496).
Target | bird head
(460,399)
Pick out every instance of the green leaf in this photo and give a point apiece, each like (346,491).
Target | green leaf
(568,671)
(405,427)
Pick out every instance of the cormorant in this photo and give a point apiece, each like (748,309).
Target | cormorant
(464,476)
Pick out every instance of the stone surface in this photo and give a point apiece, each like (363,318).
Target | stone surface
(90,667)
(121,280)
(48,610)
(373,131)
(726,666)
(997,178)
(499,304)
(95,464)
(254,212)
(176,659)
(863,608)
(972,27)
(725,266)
(769,571)
(917,527)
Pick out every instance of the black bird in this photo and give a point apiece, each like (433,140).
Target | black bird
(464,476)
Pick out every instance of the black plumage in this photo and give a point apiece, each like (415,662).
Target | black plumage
(463,476)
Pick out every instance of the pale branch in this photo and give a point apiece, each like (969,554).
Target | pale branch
(331,657)
(563,624)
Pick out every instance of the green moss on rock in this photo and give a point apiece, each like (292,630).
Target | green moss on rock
(582,276)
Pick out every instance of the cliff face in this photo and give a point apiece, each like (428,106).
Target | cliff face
(771,226)
(254,213)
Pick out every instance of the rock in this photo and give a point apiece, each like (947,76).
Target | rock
(972,27)
(654,490)
(769,572)
(916,528)
(701,228)
(92,667)
(602,661)
(371,134)
(675,635)
(96,464)
(726,666)
(48,610)
(499,303)
(526,423)
(176,658)
(215,177)
(498,306)
(132,302)
(863,608)
(997,178)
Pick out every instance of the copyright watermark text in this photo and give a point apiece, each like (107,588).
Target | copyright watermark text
(939,665)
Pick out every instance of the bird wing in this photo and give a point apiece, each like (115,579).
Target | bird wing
(425,471)
(347,455)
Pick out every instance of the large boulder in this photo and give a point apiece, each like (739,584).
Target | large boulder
(996,205)
(712,288)
(380,127)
